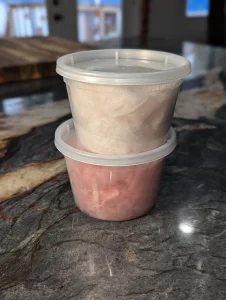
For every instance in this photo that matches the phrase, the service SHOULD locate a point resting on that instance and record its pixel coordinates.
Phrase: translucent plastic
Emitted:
(67, 143)
(118, 120)
(122, 100)
(123, 67)
(112, 187)
(114, 193)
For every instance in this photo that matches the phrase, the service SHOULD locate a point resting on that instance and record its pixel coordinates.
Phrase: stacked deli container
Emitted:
(122, 103)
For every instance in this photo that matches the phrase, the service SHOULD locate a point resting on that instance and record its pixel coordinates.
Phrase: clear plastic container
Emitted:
(112, 187)
(122, 101)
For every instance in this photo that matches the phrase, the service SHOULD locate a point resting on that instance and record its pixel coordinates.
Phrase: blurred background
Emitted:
(96, 19)
(93, 20)
(27, 27)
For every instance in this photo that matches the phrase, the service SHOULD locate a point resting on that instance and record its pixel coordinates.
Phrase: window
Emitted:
(98, 20)
(197, 8)
(23, 18)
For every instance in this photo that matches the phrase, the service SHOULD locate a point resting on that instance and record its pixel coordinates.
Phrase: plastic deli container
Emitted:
(122, 101)
(112, 187)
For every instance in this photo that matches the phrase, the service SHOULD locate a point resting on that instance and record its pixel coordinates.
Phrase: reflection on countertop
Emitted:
(50, 250)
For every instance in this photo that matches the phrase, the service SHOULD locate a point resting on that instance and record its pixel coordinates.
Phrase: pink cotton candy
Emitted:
(114, 193)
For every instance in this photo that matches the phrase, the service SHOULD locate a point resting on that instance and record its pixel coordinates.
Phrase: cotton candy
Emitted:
(118, 120)
(114, 193)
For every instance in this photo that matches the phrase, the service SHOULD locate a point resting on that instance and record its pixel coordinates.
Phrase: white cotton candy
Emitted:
(122, 119)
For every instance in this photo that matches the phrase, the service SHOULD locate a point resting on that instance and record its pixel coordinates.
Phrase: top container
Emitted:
(122, 101)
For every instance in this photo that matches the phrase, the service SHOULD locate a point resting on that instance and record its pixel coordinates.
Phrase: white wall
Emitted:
(167, 19)
(3, 18)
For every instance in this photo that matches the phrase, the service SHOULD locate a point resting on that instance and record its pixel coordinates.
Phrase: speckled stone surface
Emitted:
(49, 250)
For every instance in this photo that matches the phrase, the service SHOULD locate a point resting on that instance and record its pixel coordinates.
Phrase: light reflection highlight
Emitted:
(186, 228)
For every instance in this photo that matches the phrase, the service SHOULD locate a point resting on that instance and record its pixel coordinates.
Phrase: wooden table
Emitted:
(32, 58)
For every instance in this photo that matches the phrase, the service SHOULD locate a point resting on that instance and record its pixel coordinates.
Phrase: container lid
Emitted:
(123, 67)
(67, 130)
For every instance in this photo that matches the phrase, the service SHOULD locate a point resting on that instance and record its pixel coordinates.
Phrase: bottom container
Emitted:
(114, 188)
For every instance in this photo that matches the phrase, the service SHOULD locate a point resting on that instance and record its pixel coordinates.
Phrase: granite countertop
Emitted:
(50, 250)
